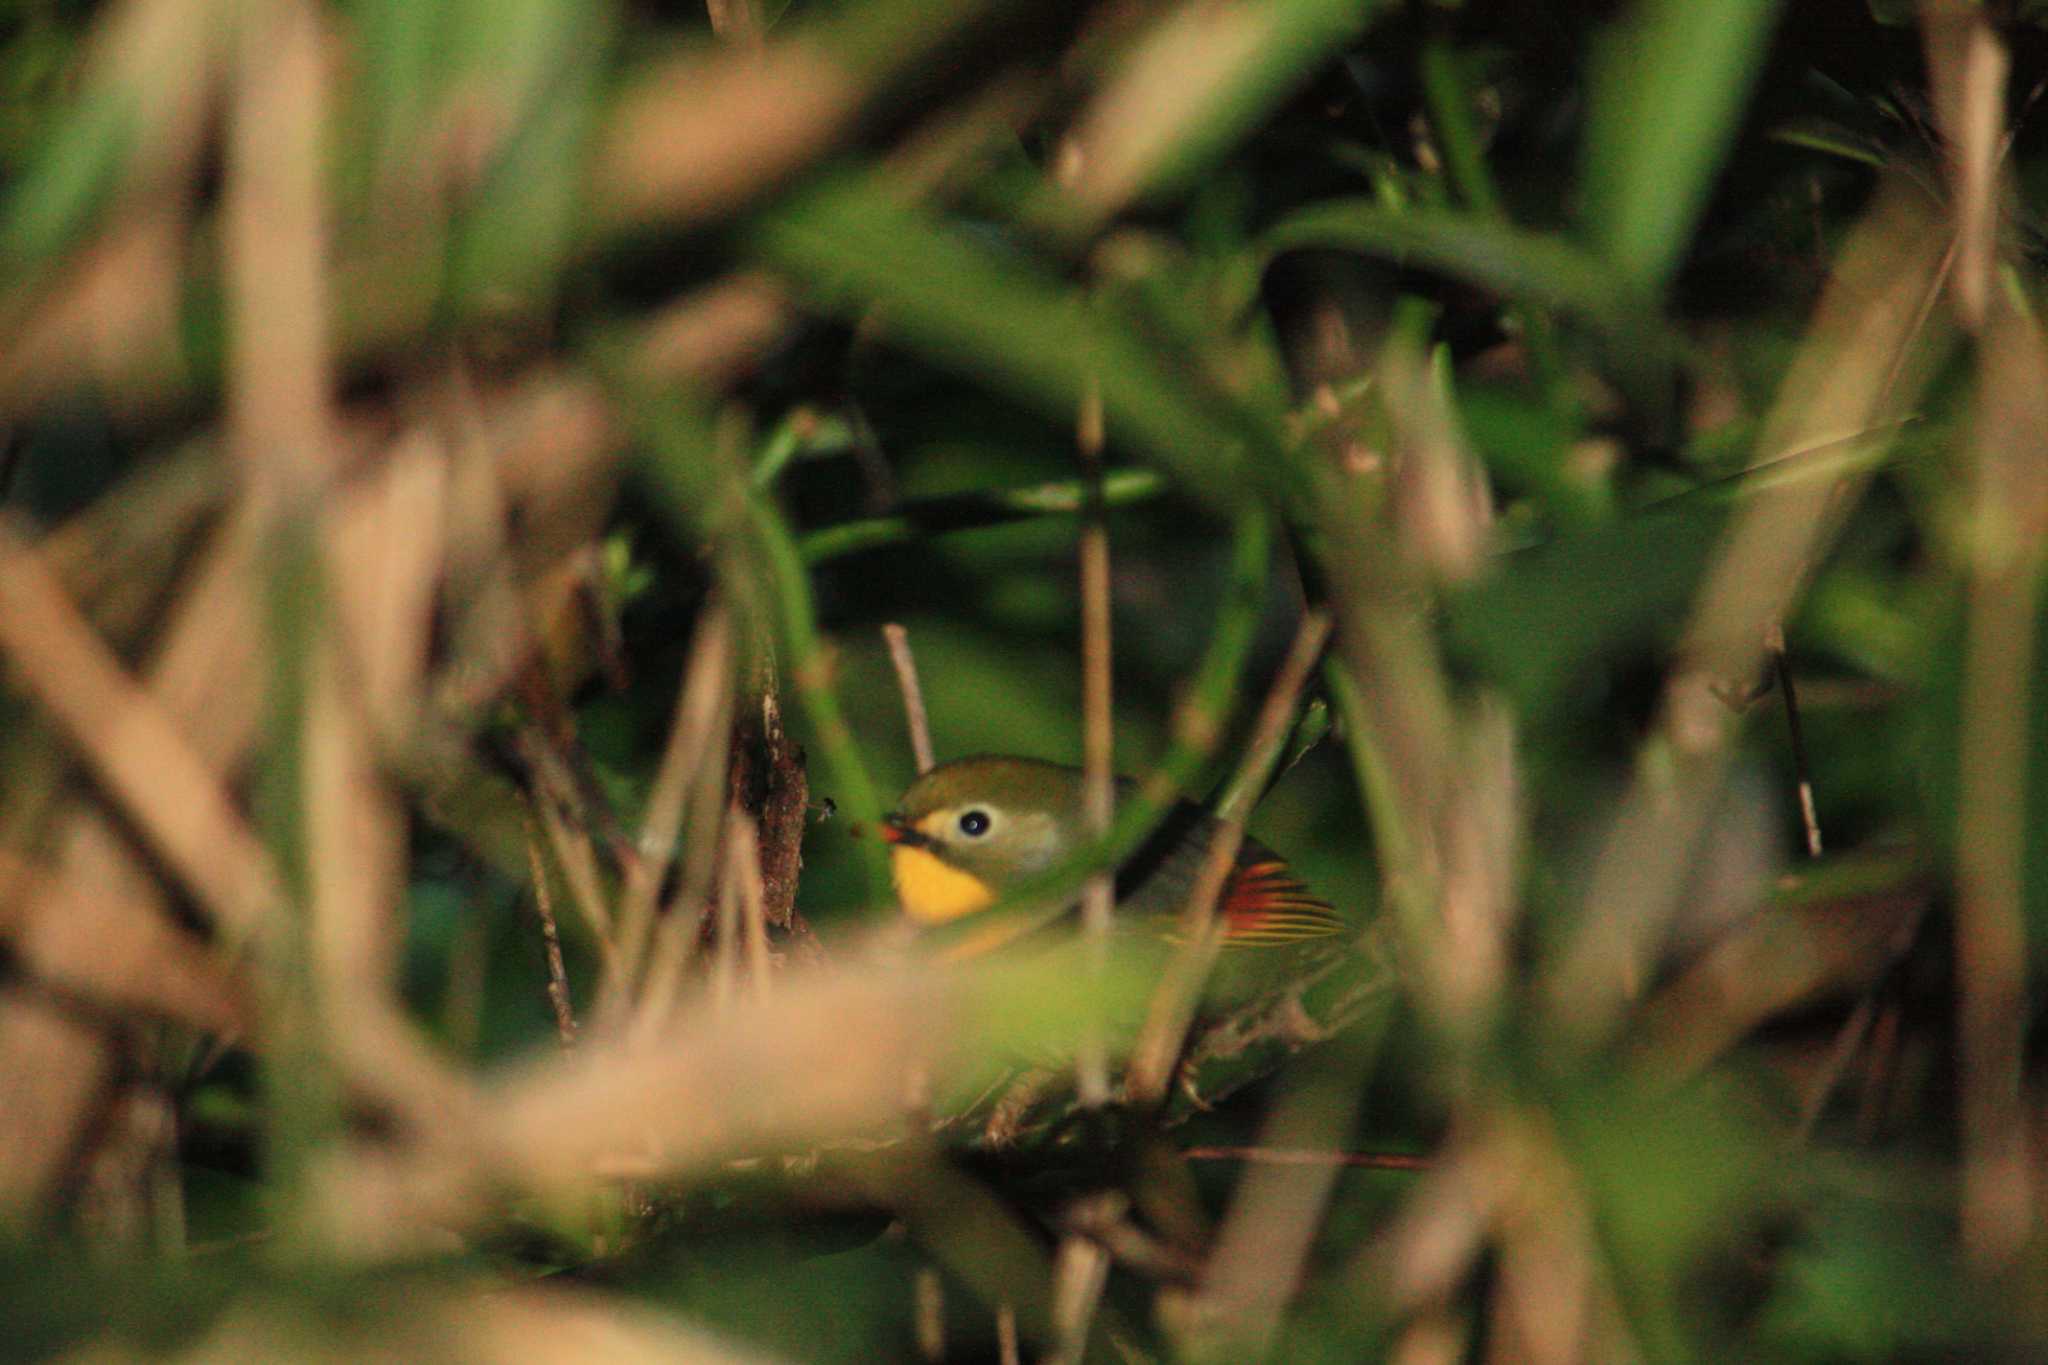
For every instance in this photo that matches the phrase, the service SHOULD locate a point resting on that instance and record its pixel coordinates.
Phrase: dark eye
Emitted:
(974, 823)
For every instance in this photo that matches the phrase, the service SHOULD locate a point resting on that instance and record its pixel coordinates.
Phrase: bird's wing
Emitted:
(1265, 903)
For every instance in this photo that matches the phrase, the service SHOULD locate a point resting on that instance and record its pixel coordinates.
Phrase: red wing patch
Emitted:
(1265, 903)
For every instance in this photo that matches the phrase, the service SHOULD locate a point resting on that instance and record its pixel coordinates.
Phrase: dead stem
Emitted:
(905, 664)
(544, 905)
(1080, 1272)
(1991, 946)
(1802, 771)
(693, 731)
(1967, 69)
(679, 932)
(725, 945)
(274, 221)
(1296, 1156)
(1098, 735)
(572, 844)
(1007, 1351)
(930, 1294)
(743, 869)
(174, 795)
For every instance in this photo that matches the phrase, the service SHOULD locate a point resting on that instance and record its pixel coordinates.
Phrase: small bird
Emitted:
(969, 831)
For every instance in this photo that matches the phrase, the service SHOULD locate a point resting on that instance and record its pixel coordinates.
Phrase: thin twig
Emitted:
(1847, 1040)
(573, 847)
(1296, 1156)
(1098, 735)
(913, 695)
(743, 867)
(930, 1292)
(917, 1087)
(544, 904)
(1080, 1271)
(700, 703)
(679, 932)
(1081, 1267)
(1007, 1350)
(725, 945)
(1802, 774)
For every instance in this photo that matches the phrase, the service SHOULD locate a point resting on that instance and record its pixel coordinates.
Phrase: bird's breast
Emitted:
(933, 891)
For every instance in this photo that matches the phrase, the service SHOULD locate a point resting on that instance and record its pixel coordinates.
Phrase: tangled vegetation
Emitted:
(497, 499)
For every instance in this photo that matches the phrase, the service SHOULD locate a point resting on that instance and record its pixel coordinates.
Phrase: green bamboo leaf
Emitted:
(969, 306)
(543, 60)
(1666, 97)
(1513, 262)
(69, 184)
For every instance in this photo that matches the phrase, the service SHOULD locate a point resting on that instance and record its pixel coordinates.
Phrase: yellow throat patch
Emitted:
(933, 892)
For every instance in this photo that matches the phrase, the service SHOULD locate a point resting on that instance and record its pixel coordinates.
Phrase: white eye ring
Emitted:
(975, 822)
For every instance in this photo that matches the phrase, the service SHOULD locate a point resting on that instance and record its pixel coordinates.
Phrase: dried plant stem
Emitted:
(1007, 1350)
(930, 1292)
(693, 732)
(175, 797)
(743, 869)
(1802, 772)
(680, 930)
(1848, 1038)
(810, 669)
(1296, 1156)
(558, 976)
(914, 716)
(204, 676)
(1098, 734)
(573, 850)
(1968, 67)
(725, 947)
(1081, 1267)
(1080, 1272)
(274, 220)
(1991, 949)
(764, 557)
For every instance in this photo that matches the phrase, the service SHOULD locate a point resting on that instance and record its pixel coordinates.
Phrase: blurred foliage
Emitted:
(1481, 324)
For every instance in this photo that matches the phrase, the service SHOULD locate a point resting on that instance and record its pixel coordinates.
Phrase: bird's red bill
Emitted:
(1265, 903)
